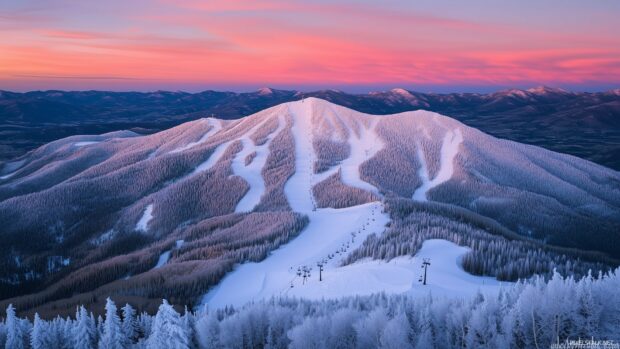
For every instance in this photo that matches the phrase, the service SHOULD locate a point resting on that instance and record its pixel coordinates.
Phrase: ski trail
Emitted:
(252, 173)
(216, 126)
(142, 224)
(363, 147)
(298, 189)
(221, 150)
(449, 149)
(328, 237)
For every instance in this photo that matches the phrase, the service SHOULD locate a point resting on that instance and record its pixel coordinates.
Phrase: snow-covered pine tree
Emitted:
(129, 327)
(84, 330)
(15, 336)
(396, 333)
(167, 331)
(39, 337)
(111, 337)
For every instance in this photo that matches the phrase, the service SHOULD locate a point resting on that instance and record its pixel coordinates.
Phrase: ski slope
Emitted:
(293, 270)
(328, 233)
(449, 149)
(252, 173)
(363, 147)
(216, 126)
(445, 277)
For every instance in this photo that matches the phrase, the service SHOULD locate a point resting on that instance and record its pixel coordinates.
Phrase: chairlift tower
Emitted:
(426, 262)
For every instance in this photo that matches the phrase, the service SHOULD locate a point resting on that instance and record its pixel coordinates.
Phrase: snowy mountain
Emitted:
(173, 213)
(552, 118)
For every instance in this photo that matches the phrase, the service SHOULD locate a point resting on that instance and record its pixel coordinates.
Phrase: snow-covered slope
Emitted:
(277, 276)
(124, 198)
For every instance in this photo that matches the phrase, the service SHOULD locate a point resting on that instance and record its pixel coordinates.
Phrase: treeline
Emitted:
(491, 255)
(533, 314)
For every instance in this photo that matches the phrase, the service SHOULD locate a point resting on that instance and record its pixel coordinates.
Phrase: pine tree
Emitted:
(167, 331)
(14, 338)
(130, 325)
(85, 330)
(396, 333)
(39, 335)
(112, 336)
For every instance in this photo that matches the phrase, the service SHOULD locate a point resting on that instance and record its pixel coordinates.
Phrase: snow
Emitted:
(213, 159)
(449, 149)
(83, 144)
(265, 91)
(329, 230)
(252, 173)
(298, 189)
(363, 147)
(445, 277)
(216, 126)
(142, 224)
(220, 150)
(333, 233)
(163, 259)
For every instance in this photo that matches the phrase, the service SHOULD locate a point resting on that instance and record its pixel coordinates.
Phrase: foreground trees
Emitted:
(526, 315)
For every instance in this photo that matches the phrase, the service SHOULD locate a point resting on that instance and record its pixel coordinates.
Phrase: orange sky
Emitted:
(239, 44)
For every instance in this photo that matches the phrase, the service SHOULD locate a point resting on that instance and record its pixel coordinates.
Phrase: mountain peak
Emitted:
(265, 91)
(401, 91)
(546, 90)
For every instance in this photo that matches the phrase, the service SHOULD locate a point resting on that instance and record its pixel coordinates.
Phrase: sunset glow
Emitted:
(195, 45)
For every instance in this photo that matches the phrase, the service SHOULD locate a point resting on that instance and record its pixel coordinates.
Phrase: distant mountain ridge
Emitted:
(579, 123)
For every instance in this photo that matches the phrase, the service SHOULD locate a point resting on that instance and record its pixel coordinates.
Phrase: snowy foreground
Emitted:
(293, 269)
(535, 314)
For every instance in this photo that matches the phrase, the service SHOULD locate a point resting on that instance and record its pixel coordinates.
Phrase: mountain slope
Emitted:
(173, 212)
(578, 123)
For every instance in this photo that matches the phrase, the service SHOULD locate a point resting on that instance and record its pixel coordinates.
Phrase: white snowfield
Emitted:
(143, 223)
(449, 149)
(445, 277)
(83, 144)
(216, 126)
(252, 173)
(292, 270)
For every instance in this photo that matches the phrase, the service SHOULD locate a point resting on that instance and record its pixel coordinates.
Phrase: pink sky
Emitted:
(240, 44)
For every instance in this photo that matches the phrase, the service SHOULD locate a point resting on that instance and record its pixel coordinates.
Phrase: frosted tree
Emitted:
(208, 331)
(588, 309)
(368, 330)
(167, 331)
(397, 333)
(39, 335)
(111, 337)
(84, 331)
(129, 327)
(14, 337)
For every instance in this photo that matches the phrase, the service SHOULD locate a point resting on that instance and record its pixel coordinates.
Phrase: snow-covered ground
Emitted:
(143, 223)
(83, 144)
(165, 257)
(328, 233)
(363, 147)
(252, 173)
(333, 233)
(216, 126)
(445, 276)
(449, 149)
